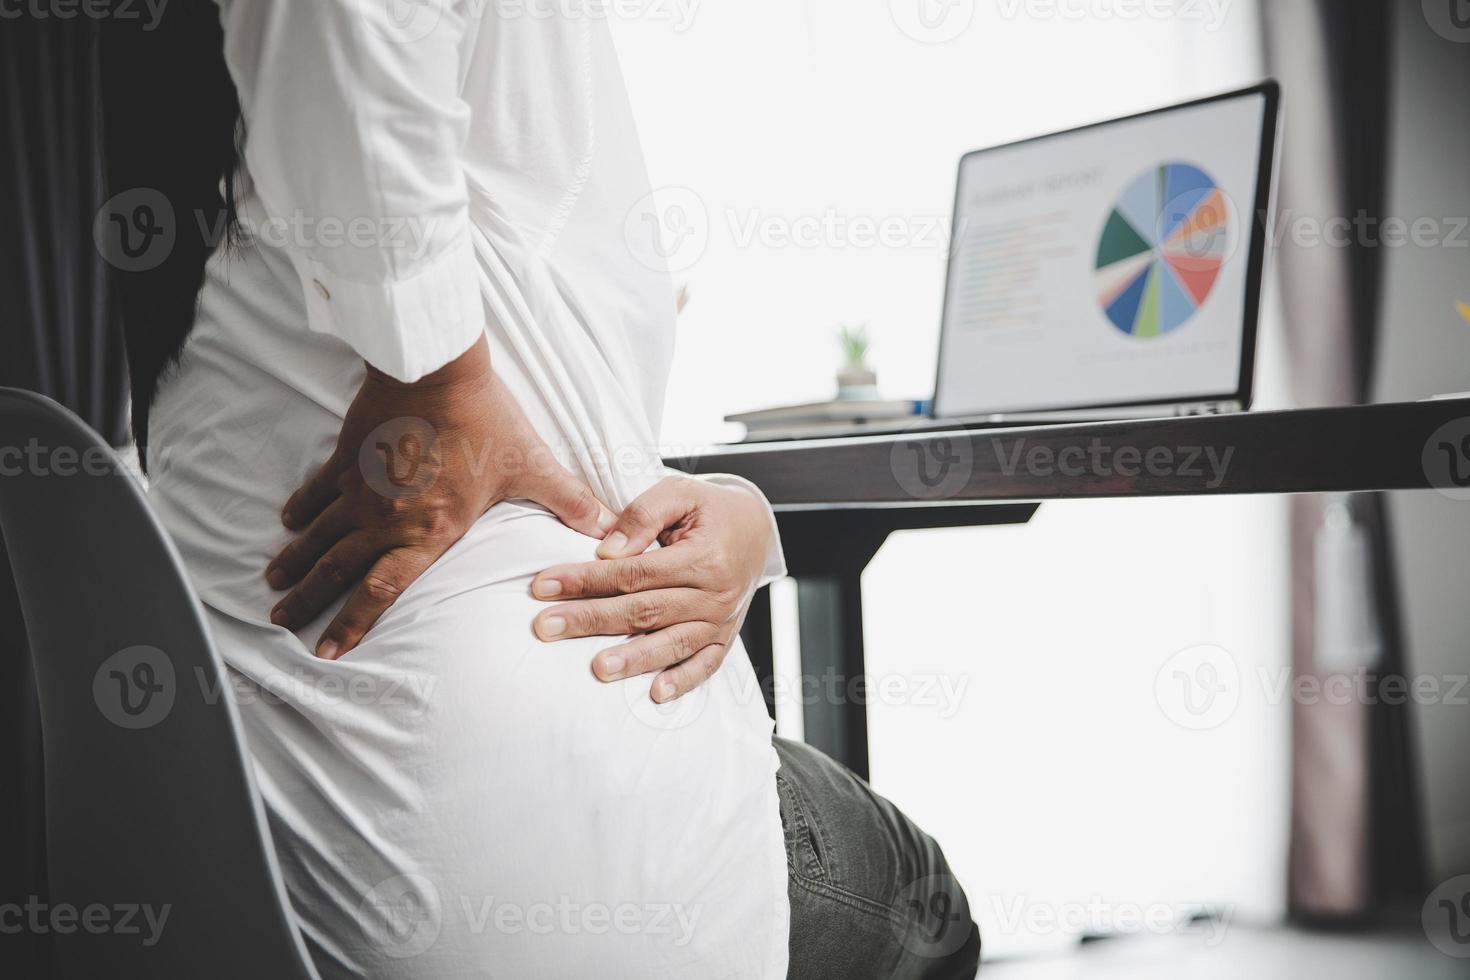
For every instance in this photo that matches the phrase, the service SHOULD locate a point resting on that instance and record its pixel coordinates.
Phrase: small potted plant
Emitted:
(856, 381)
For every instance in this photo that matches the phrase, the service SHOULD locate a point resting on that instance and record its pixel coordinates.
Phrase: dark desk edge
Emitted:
(1399, 446)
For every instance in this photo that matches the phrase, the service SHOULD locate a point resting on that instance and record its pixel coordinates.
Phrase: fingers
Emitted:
(685, 677)
(302, 554)
(625, 615)
(666, 568)
(572, 502)
(655, 651)
(333, 575)
(655, 511)
(379, 589)
(312, 497)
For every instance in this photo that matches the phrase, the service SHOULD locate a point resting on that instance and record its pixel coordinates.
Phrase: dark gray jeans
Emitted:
(871, 894)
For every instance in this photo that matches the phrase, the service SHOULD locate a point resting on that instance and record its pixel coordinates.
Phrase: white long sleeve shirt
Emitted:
(455, 798)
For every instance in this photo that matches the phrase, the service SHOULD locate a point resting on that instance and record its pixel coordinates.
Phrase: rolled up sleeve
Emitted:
(354, 131)
(775, 554)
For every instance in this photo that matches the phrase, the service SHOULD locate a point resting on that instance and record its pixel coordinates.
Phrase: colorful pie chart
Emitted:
(1162, 249)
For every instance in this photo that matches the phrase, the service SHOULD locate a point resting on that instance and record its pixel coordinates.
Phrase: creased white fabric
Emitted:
(455, 798)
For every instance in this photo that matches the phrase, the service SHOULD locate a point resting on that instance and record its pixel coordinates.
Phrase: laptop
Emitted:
(1112, 271)
(1108, 272)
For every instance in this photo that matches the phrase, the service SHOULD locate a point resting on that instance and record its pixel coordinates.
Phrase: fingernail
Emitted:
(546, 588)
(327, 649)
(606, 521)
(664, 693)
(552, 626)
(278, 616)
(612, 546)
(613, 665)
(275, 577)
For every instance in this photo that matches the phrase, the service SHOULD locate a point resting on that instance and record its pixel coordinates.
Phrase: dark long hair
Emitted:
(170, 118)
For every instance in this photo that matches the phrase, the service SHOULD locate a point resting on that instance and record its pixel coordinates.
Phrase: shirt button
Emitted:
(322, 290)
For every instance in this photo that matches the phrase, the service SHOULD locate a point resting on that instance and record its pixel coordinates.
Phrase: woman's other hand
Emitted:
(415, 466)
(688, 598)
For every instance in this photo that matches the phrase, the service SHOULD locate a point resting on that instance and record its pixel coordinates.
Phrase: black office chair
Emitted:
(150, 800)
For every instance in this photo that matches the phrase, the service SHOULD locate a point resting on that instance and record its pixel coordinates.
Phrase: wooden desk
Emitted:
(837, 500)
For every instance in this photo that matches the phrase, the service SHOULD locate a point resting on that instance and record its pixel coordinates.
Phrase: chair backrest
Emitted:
(160, 862)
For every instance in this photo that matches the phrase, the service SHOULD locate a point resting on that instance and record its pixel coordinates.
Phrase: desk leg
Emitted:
(834, 697)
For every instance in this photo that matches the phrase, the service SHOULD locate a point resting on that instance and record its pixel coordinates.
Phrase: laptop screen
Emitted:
(1115, 265)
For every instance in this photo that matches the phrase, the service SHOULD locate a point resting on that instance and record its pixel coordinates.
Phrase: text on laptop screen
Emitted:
(1107, 266)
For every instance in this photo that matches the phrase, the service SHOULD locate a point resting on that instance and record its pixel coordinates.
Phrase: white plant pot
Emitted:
(857, 384)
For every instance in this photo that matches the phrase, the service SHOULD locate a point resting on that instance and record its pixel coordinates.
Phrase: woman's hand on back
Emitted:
(688, 598)
(415, 466)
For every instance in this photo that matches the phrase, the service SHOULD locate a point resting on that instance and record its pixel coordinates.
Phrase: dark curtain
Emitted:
(58, 338)
(1356, 844)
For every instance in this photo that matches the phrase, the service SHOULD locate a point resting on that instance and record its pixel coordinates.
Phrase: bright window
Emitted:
(782, 133)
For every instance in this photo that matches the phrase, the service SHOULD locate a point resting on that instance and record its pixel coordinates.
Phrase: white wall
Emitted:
(1060, 777)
